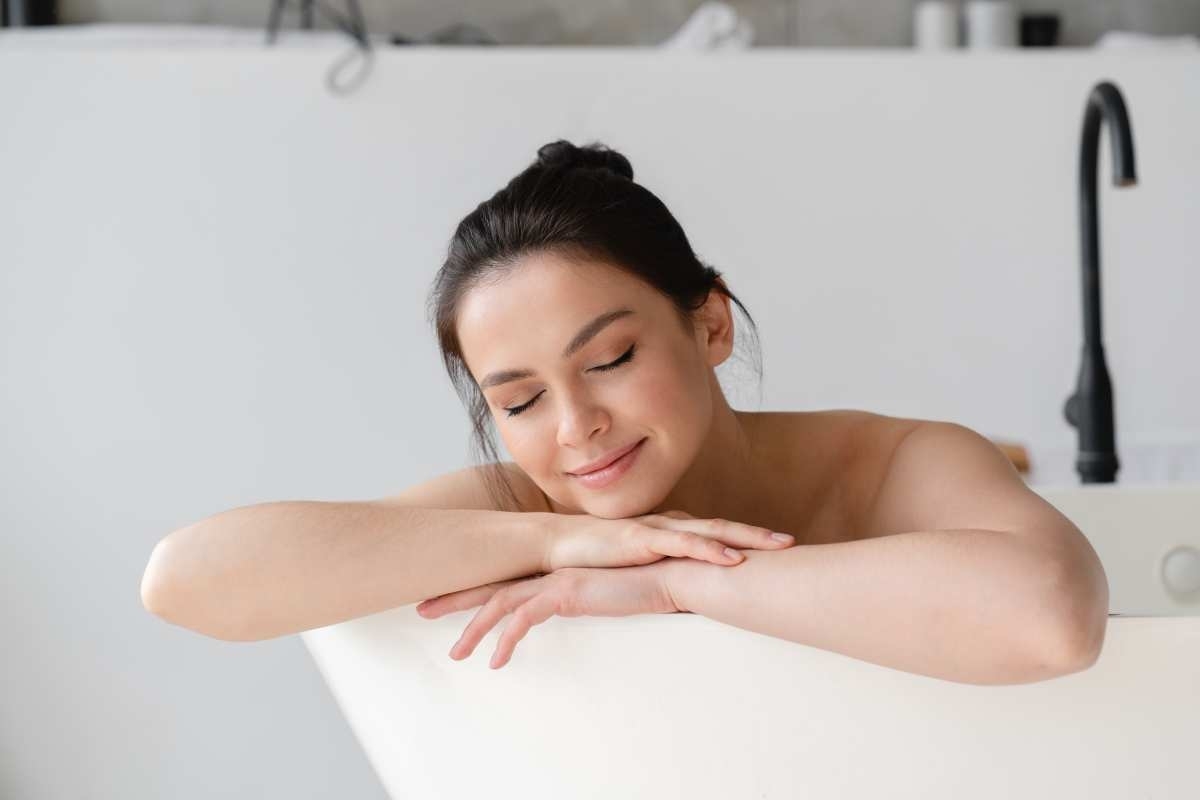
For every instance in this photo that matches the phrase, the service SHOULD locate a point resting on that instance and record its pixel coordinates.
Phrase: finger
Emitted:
(732, 534)
(664, 516)
(685, 544)
(691, 545)
(459, 601)
(534, 611)
(456, 601)
(493, 611)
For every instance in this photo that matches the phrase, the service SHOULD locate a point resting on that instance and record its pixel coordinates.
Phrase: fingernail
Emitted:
(783, 537)
(734, 554)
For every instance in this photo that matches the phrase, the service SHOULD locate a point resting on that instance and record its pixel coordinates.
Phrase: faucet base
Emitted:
(1096, 467)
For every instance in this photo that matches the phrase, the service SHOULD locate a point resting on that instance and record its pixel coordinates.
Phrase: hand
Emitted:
(582, 540)
(567, 592)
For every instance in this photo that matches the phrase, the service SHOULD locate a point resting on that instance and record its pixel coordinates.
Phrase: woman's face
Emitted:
(558, 413)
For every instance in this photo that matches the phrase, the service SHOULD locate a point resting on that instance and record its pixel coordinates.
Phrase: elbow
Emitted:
(1078, 604)
(1080, 646)
(1078, 639)
(162, 596)
(154, 584)
(1051, 657)
(1058, 660)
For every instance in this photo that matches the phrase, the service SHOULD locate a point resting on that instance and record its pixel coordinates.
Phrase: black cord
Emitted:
(353, 25)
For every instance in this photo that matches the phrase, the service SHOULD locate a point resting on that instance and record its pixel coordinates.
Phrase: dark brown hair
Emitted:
(579, 203)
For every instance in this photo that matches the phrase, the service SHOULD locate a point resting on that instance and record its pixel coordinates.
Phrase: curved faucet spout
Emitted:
(1090, 409)
(1104, 104)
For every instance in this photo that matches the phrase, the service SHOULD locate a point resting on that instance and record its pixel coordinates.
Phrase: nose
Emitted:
(581, 419)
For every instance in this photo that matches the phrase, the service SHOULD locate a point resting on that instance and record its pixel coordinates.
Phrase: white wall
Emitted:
(212, 278)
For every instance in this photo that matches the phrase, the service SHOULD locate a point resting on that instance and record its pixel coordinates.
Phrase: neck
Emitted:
(726, 475)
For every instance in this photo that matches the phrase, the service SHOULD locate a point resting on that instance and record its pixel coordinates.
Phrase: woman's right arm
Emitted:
(267, 570)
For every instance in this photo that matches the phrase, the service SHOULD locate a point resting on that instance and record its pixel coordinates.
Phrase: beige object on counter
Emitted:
(1016, 453)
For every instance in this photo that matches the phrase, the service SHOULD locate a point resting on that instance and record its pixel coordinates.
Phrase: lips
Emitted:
(604, 461)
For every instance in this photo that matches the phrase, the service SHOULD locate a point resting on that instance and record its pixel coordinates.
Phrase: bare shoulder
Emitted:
(866, 443)
(529, 494)
(852, 453)
(467, 488)
(938, 475)
(859, 443)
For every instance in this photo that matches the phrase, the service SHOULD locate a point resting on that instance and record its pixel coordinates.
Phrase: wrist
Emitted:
(683, 578)
(549, 526)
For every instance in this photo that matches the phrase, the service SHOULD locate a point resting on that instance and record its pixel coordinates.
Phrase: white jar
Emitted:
(935, 25)
(991, 24)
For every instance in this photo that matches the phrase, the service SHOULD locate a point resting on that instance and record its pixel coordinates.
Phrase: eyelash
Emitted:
(624, 359)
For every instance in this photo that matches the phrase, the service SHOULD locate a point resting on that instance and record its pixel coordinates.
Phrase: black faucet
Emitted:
(1090, 408)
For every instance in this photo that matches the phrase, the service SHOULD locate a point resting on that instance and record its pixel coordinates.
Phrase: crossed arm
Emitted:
(987, 584)
(960, 573)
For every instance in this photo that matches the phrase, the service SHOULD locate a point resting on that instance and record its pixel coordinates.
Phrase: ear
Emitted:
(715, 324)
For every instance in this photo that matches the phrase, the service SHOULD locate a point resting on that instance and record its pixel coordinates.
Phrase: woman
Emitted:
(573, 314)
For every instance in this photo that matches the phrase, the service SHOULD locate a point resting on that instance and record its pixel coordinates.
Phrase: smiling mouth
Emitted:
(620, 454)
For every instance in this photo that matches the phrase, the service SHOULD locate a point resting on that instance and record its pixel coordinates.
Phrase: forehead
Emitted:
(536, 307)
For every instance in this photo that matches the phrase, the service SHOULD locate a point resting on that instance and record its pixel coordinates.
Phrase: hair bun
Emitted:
(564, 154)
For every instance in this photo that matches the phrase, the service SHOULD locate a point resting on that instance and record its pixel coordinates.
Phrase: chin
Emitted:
(605, 513)
(619, 505)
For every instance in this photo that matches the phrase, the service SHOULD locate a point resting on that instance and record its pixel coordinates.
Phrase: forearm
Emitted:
(266, 570)
(969, 606)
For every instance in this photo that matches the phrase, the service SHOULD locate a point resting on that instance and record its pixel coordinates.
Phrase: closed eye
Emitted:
(625, 358)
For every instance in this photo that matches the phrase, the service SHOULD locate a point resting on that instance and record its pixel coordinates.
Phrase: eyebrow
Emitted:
(585, 335)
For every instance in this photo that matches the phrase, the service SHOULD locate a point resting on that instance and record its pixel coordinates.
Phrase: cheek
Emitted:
(654, 398)
(521, 441)
(532, 446)
(671, 392)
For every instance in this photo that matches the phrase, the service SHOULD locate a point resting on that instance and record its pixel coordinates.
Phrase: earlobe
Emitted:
(718, 351)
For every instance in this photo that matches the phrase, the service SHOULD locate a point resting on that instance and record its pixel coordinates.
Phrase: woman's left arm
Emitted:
(986, 582)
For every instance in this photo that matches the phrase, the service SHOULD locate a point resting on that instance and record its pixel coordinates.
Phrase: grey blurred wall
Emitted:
(807, 23)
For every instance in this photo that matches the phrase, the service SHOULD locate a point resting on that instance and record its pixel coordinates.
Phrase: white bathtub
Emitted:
(681, 706)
